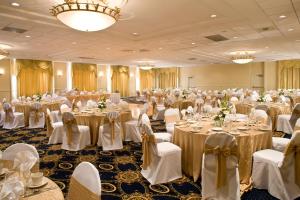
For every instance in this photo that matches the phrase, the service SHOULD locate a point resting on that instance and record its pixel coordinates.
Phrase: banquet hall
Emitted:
(149, 99)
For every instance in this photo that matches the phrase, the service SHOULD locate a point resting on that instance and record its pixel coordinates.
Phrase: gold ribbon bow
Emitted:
(69, 124)
(147, 140)
(36, 114)
(112, 129)
(77, 191)
(221, 155)
(49, 126)
(9, 116)
(294, 149)
(154, 108)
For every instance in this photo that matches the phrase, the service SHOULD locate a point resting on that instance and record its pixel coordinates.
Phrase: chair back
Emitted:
(220, 164)
(148, 145)
(207, 108)
(261, 116)
(295, 115)
(11, 152)
(85, 183)
(172, 115)
(36, 111)
(113, 120)
(115, 98)
(290, 166)
(262, 107)
(145, 119)
(9, 115)
(49, 122)
(70, 125)
(64, 108)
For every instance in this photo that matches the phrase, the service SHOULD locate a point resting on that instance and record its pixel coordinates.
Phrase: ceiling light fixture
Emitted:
(290, 29)
(146, 67)
(135, 34)
(15, 4)
(5, 46)
(282, 16)
(28, 36)
(193, 43)
(88, 15)
(242, 57)
(3, 54)
(213, 16)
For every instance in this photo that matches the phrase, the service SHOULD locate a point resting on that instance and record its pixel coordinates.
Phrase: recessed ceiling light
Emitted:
(28, 36)
(107, 48)
(5, 46)
(213, 16)
(193, 43)
(235, 37)
(135, 33)
(266, 47)
(160, 48)
(74, 43)
(15, 4)
(290, 29)
(282, 16)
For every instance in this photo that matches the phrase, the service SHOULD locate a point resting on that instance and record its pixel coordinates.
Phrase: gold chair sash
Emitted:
(36, 113)
(147, 140)
(77, 191)
(49, 126)
(69, 124)
(171, 118)
(154, 105)
(221, 155)
(294, 149)
(9, 164)
(9, 115)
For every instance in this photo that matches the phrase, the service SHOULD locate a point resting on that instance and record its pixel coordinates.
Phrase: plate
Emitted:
(216, 129)
(196, 126)
(43, 183)
(192, 121)
(242, 128)
(264, 129)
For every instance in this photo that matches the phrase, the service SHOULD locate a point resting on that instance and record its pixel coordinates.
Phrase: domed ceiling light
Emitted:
(242, 57)
(88, 15)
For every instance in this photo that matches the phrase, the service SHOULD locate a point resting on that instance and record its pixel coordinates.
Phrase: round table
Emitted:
(192, 144)
(94, 119)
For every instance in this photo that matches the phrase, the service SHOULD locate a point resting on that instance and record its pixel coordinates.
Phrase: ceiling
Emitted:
(170, 32)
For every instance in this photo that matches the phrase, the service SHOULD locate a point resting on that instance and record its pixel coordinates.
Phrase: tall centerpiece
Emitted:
(102, 104)
(225, 107)
(261, 98)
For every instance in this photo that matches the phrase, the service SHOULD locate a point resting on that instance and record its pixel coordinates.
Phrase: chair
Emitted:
(220, 174)
(77, 137)
(115, 98)
(85, 183)
(110, 137)
(12, 119)
(36, 116)
(161, 161)
(55, 130)
(2, 115)
(10, 153)
(161, 136)
(278, 172)
(262, 117)
(65, 108)
(286, 123)
(158, 111)
(171, 116)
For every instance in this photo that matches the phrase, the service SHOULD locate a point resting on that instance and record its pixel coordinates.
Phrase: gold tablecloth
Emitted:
(183, 104)
(94, 121)
(192, 145)
(25, 108)
(275, 109)
(84, 98)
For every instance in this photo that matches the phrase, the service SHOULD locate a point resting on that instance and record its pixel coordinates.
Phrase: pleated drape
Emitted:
(34, 77)
(289, 74)
(147, 79)
(120, 80)
(84, 76)
(166, 77)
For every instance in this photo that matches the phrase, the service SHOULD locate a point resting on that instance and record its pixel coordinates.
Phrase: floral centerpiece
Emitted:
(261, 98)
(37, 97)
(225, 107)
(102, 104)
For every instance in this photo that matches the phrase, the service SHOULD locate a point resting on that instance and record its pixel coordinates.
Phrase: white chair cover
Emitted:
(161, 161)
(85, 183)
(171, 116)
(76, 137)
(160, 136)
(133, 128)
(12, 119)
(115, 98)
(36, 116)
(220, 174)
(279, 172)
(55, 130)
(110, 137)
(207, 108)
(64, 108)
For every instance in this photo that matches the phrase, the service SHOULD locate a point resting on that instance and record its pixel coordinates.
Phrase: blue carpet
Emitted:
(119, 170)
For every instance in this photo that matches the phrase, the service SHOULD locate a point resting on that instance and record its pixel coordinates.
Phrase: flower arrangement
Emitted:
(225, 110)
(102, 104)
(37, 97)
(261, 98)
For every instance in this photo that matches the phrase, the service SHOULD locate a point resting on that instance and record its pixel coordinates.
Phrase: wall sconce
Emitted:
(2, 71)
(100, 74)
(131, 75)
(59, 73)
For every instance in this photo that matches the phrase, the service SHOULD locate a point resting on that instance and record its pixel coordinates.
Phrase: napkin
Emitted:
(12, 189)
(282, 98)
(24, 161)
(268, 98)
(190, 110)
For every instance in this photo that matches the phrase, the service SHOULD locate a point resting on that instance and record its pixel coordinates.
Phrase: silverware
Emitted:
(38, 191)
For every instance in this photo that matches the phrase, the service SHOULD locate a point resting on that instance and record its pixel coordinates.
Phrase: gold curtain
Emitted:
(166, 77)
(147, 80)
(120, 80)
(84, 76)
(34, 77)
(289, 74)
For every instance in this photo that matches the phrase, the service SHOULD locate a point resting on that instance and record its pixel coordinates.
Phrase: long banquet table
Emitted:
(95, 118)
(192, 144)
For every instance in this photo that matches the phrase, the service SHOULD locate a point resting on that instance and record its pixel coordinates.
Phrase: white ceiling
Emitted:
(167, 28)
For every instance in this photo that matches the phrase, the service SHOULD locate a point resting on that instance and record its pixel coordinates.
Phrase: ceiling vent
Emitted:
(13, 29)
(192, 58)
(127, 50)
(217, 38)
(86, 58)
(267, 28)
(144, 50)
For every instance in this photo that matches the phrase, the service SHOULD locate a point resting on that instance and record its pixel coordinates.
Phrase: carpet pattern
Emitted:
(119, 170)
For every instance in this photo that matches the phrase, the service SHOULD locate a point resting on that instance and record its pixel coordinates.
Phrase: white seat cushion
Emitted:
(279, 143)
(57, 124)
(269, 156)
(163, 137)
(167, 148)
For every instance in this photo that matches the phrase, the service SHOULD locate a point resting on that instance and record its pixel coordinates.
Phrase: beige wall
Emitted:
(60, 81)
(270, 71)
(102, 80)
(132, 80)
(223, 76)
(5, 83)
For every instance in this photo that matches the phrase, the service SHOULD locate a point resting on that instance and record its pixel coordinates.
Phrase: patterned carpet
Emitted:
(119, 170)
